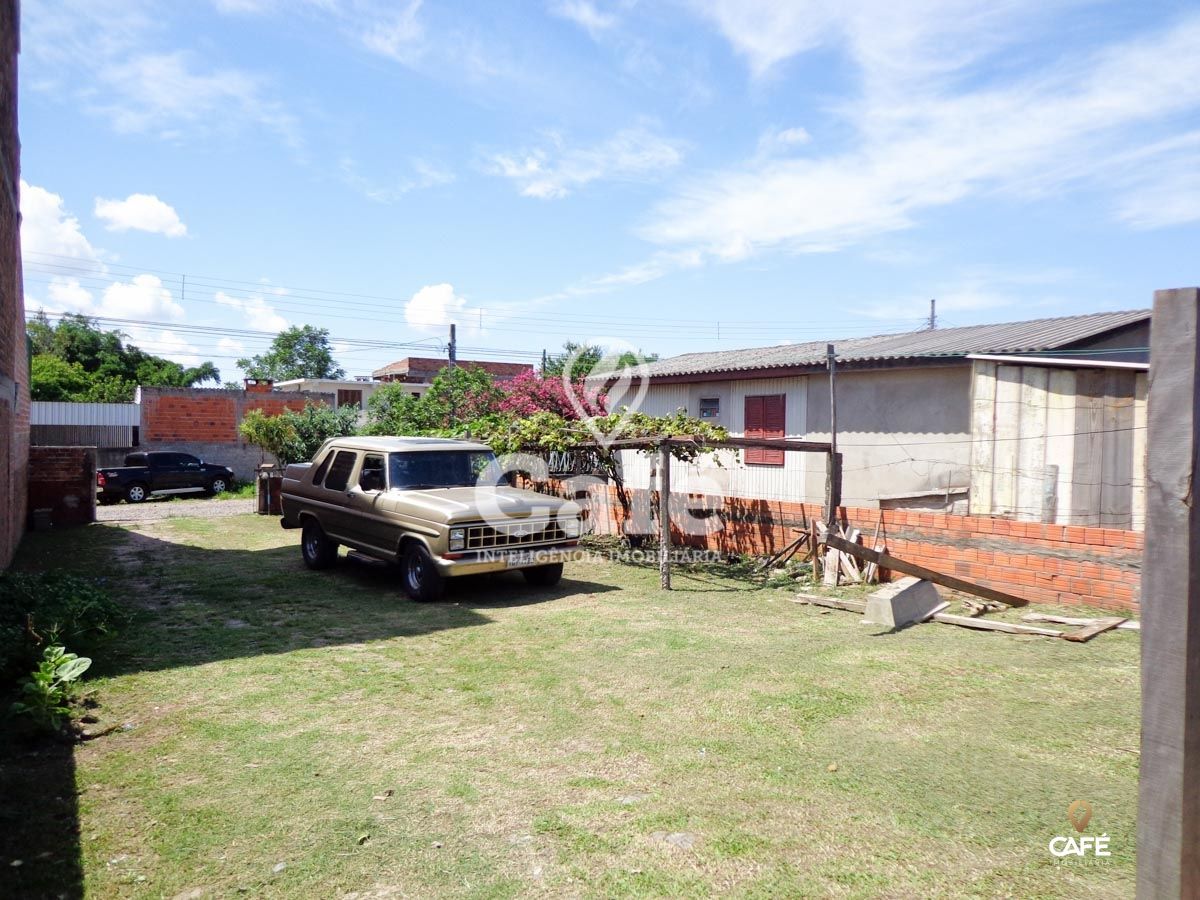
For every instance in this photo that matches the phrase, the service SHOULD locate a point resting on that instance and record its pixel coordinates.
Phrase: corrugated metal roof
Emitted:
(46, 412)
(1008, 337)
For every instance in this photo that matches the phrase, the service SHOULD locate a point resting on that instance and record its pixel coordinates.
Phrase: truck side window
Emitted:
(371, 478)
(339, 472)
(322, 468)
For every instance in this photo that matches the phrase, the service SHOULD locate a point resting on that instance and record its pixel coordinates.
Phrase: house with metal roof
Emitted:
(1041, 420)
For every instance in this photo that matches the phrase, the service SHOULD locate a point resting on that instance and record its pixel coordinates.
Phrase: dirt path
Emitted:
(153, 510)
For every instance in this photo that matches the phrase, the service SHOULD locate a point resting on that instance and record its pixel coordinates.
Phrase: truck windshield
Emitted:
(441, 468)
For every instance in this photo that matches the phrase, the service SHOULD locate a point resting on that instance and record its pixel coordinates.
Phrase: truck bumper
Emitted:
(502, 560)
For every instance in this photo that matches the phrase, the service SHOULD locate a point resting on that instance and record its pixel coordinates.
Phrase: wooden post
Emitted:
(833, 470)
(1168, 835)
(664, 515)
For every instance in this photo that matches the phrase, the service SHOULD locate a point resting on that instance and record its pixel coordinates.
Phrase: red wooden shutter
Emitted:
(765, 419)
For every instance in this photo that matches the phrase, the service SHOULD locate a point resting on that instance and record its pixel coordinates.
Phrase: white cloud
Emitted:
(584, 14)
(169, 95)
(398, 36)
(434, 306)
(781, 140)
(47, 228)
(424, 174)
(929, 134)
(144, 297)
(631, 154)
(258, 314)
(231, 347)
(165, 343)
(140, 212)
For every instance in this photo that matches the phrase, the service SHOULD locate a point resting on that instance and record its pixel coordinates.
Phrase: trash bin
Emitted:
(270, 490)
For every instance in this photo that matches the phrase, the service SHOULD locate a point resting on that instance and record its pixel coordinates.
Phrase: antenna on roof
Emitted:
(932, 314)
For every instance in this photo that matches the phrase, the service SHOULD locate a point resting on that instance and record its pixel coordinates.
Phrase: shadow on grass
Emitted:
(39, 821)
(195, 605)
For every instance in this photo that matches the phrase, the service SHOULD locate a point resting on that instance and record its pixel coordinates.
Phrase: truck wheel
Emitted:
(422, 580)
(219, 485)
(544, 576)
(136, 493)
(318, 550)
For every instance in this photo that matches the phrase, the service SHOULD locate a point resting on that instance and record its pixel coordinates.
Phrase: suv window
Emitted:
(339, 472)
(372, 477)
(322, 467)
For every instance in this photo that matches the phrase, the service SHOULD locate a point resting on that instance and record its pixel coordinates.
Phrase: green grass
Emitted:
(550, 742)
(246, 490)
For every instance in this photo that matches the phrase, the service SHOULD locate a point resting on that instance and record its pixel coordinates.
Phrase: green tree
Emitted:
(274, 434)
(297, 352)
(296, 436)
(455, 397)
(588, 356)
(77, 360)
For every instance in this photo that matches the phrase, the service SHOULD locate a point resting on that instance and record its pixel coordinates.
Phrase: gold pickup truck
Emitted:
(439, 508)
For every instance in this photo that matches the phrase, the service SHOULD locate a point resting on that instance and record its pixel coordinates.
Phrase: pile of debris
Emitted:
(915, 599)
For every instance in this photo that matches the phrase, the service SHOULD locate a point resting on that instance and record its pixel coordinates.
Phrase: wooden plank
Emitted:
(832, 566)
(1126, 624)
(858, 606)
(993, 625)
(887, 561)
(1090, 631)
(1168, 820)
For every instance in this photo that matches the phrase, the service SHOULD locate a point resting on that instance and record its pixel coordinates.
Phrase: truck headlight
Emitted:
(458, 538)
(570, 527)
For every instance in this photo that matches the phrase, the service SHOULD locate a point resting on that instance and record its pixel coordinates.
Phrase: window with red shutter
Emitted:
(765, 419)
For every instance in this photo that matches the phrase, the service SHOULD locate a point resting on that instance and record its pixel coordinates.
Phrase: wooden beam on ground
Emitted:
(887, 561)
(1126, 624)
(993, 625)
(1090, 631)
(858, 606)
(1168, 822)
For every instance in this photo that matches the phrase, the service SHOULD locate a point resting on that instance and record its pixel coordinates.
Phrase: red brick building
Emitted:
(14, 357)
(421, 370)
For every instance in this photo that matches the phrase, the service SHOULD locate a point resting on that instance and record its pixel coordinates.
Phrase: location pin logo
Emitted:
(1080, 813)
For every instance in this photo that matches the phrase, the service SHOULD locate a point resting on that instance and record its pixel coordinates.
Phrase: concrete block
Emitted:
(901, 603)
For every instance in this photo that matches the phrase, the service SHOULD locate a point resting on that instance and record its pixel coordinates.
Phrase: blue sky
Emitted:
(673, 176)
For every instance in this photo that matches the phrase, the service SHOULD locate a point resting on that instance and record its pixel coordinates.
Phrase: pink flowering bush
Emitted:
(529, 393)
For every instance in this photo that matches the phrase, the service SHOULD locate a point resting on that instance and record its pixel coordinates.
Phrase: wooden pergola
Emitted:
(663, 445)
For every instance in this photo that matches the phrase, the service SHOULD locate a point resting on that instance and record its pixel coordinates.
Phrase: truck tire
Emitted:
(422, 581)
(318, 550)
(136, 493)
(544, 576)
(219, 485)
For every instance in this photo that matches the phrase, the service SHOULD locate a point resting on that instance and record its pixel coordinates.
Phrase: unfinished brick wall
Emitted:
(204, 421)
(1058, 564)
(63, 480)
(14, 360)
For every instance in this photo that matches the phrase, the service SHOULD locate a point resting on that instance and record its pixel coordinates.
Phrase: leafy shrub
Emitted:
(50, 608)
(46, 693)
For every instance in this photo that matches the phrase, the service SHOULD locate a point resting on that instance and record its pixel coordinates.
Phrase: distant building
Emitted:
(421, 370)
(347, 391)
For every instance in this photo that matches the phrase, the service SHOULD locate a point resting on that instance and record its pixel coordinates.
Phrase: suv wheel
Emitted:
(219, 485)
(422, 580)
(136, 493)
(318, 550)
(544, 576)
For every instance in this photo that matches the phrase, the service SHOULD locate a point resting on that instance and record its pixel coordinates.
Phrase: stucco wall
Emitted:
(904, 435)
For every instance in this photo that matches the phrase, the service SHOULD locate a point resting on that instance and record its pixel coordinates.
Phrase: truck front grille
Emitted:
(514, 534)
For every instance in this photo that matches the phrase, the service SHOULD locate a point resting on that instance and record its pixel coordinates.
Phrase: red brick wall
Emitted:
(1057, 564)
(63, 480)
(198, 415)
(14, 361)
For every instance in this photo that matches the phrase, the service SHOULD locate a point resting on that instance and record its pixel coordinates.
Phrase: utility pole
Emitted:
(543, 362)
(932, 314)
(453, 348)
